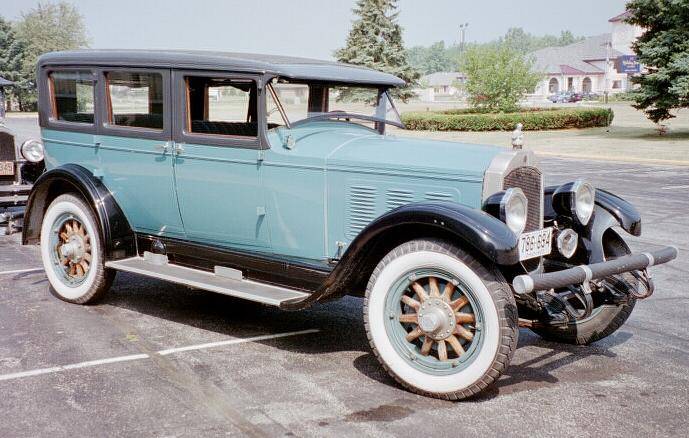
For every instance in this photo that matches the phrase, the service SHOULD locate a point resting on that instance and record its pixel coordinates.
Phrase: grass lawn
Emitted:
(631, 137)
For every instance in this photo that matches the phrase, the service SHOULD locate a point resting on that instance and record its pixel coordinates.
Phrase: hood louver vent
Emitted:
(361, 206)
(397, 198)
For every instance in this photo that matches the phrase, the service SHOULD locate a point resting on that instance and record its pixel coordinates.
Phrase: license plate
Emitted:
(535, 244)
(6, 168)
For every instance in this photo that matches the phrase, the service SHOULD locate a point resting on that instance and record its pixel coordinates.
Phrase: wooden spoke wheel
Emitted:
(73, 249)
(437, 317)
(441, 323)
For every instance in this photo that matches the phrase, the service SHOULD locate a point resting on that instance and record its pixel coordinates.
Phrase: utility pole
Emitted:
(608, 46)
(463, 35)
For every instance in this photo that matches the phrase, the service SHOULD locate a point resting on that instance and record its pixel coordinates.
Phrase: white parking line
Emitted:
(20, 271)
(93, 363)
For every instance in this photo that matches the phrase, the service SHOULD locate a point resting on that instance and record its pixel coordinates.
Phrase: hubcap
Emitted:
(433, 321)
(436, 319)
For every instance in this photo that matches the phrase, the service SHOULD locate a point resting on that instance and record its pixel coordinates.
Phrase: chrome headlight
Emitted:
(32, 150)
(575, 199)
(513, 210)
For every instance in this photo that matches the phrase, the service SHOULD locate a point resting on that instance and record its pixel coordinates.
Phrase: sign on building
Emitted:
(628, 64)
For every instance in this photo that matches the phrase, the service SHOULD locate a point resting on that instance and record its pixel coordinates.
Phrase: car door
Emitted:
(133, 147)
(217, 169)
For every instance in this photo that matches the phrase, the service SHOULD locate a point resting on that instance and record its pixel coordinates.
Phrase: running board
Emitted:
(225, 281)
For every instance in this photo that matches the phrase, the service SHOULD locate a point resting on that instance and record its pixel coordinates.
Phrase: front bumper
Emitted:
(14, 195)
(524, 284)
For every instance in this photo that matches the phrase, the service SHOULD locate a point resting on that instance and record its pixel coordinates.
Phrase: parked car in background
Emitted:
(20, 166)
(565, 97)
(285, 189)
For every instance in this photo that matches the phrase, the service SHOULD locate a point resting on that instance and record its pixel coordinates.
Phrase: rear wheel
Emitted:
(439, 321)
(606, 318)
(72, 251)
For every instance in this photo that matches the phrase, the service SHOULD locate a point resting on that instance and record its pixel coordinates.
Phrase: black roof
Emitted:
(284, 66)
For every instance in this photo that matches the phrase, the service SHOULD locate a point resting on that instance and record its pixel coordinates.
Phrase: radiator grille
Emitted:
(7, 152)
(530, 180)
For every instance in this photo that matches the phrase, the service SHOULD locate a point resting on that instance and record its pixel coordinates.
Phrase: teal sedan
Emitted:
(276, 179)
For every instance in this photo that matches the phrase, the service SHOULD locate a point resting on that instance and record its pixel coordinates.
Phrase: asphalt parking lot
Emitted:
(157, 359)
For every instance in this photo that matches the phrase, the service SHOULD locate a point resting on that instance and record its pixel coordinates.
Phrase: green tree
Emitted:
(497, 77)
(664, 51)
(523, 42)
(11, 57)
(47, 27)
(431, 59)
(375, 41)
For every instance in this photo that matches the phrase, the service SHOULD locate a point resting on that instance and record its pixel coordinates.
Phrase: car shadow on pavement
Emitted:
(537, 363)
(340, 322)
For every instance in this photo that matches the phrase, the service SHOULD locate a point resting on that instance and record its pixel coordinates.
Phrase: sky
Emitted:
(315, 28)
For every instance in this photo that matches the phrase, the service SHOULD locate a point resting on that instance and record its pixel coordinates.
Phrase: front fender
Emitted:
(479, 230)
(624, 213)
(475, 229)
(118, 237)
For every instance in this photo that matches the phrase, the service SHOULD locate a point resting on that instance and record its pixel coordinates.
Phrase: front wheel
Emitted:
(439, 321)
(606, 317)
(72, 251)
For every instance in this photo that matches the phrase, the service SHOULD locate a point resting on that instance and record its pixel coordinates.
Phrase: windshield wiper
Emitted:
(345, 115)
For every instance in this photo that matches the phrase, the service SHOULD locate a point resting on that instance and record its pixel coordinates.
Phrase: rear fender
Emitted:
(118, 237)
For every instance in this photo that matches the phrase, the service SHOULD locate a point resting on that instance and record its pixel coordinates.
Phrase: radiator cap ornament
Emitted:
(518, 137)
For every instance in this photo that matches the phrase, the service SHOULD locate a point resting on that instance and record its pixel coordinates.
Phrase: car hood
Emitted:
(354, 148)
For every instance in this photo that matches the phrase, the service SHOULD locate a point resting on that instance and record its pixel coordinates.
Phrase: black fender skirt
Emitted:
(116, 232)
(470, 227)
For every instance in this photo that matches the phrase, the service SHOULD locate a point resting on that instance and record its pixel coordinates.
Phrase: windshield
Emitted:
(290, 103)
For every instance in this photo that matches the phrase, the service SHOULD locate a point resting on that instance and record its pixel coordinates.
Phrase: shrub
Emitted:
(533, 119)
(498, 77)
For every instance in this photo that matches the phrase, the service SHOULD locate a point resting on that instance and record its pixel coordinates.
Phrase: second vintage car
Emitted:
(273, 179)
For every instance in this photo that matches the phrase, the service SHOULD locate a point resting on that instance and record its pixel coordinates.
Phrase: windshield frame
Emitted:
(379, 118)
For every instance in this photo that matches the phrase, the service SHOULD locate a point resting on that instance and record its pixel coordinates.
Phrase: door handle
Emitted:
(163, 148)
(179, 148)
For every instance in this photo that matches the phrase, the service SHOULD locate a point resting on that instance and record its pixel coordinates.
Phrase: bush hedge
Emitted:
(533, 119)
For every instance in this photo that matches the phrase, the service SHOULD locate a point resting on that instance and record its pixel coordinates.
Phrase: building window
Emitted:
(553, 85)
(221, 106)
(617, 84)
(136, 99)
(73, 97)
(586, 85)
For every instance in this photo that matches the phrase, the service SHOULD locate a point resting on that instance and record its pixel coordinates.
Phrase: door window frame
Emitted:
(46, 101)
(106, 128)
(181, 134)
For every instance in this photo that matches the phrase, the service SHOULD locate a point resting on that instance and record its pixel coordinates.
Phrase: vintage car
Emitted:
(20, 166)
(272, 179)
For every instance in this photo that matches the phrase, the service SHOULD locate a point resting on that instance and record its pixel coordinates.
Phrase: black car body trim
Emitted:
(267, 268)
(117, 235)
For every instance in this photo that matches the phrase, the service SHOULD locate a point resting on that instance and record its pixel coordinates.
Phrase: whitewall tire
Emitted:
(439, 321)
(72, 251)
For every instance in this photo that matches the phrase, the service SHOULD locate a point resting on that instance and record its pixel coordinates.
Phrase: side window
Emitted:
(72, 96)
(221, 106)
(135, 99)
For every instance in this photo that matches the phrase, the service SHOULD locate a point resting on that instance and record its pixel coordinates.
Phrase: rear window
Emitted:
(136, 99)
(73, 96)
